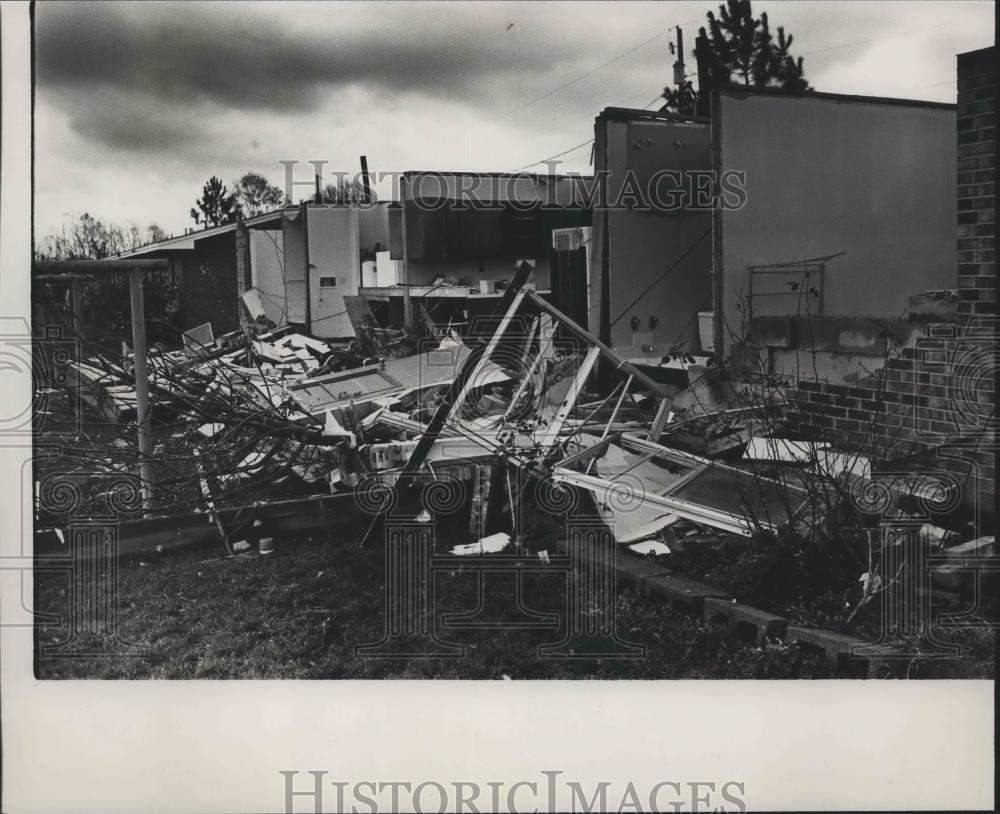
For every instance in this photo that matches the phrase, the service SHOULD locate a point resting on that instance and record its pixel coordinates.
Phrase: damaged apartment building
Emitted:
(808, 237)
(739, 314)
(448, 246)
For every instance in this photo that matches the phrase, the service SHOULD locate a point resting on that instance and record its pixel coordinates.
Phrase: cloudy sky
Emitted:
(138, 104)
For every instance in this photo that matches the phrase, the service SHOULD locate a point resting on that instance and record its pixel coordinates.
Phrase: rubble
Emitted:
(493, 544)
(534, 403)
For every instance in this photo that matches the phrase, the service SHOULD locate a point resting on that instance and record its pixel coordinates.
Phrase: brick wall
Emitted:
(976, 182)
(937, 398)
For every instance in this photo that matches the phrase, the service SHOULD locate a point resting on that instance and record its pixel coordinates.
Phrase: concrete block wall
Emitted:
(939, 393)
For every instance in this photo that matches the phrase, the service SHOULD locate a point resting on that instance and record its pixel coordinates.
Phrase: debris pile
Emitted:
(538, 410)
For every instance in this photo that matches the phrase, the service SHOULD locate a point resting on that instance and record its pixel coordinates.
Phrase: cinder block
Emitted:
(836, 646)
(633, 572)
(756, 625)
(846, 652)
(772, 332)
(815, 333)
(745, 621)
(681, 592)
(718, 609)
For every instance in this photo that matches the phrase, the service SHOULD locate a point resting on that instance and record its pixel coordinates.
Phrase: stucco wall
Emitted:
(334, 257)
(826, 175)
(267, 272)
(643, 245)
(294, 243)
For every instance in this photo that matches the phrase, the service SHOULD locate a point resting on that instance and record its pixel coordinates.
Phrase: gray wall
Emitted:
(335, 258)
(826, 175)
(644, 244)
(267, 260)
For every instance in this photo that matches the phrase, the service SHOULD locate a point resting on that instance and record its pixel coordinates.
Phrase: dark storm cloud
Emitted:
(259, 58)
(133, 121)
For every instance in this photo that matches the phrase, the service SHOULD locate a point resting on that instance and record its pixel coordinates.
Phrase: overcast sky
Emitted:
(138, 104)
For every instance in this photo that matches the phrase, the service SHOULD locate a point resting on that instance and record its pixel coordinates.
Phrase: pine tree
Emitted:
(741, 50)
(216, 205)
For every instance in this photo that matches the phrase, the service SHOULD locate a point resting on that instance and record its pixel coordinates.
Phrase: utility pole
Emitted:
(679, 62)
(701, 54)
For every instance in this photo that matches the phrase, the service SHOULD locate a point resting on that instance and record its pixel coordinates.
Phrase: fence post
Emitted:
(136, 280)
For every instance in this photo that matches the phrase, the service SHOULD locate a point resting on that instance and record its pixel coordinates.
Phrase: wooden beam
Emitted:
(662, 414)
(98, 266)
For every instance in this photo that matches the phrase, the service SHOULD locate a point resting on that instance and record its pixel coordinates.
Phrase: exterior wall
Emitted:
(643, 245)
(209, 288)
(330, 240)
(373, 223)
(334, 268)
(267, 272)
(829, 174)
(938, 398)
(293, 241)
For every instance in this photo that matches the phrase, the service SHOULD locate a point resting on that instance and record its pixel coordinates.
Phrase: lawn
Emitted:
(302, 611)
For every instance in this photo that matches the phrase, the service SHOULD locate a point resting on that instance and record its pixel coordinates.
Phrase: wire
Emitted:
(584, 75)
(587, 143)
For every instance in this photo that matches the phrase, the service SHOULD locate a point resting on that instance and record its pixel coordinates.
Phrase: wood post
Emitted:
(136, 280)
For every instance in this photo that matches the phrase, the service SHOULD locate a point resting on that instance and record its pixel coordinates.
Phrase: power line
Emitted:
(805, 53)
(670, 268)
(584, 75)
(587, 143)
(653, 101)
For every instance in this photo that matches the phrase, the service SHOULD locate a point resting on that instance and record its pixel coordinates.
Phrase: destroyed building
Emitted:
(495, 348)
(462, 236)
(727, 216)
